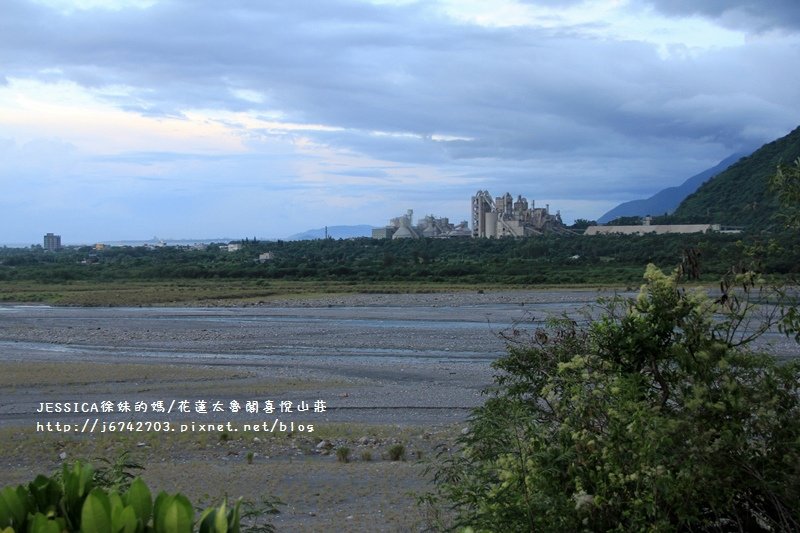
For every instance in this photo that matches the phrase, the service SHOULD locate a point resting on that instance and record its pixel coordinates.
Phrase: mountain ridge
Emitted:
(740, 195)
(334, 232)
(667, 200)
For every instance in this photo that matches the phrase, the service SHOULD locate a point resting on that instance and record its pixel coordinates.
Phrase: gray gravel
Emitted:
(405, 358)
(418, 362)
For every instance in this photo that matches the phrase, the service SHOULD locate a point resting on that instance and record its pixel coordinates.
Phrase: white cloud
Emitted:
(249, 95)
(395, 101)
(30, 109)
(68, 6)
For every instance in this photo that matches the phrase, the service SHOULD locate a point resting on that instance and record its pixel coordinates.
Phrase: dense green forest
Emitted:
(740, 196)
(535, 260)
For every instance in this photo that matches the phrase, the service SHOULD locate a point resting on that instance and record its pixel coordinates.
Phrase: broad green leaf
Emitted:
(172, 514)
(78, 482)
(13, 506)
(46, 493)
(160, 509)
(234, 516)
(96, 513)
(176, 516)
(124, 521)
(139, 497)
(6, 518)
(40, 524)
(117, 506)
(221, 520)
(206, 520)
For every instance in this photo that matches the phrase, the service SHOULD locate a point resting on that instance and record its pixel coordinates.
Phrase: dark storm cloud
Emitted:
(756, 15)
(512, 97)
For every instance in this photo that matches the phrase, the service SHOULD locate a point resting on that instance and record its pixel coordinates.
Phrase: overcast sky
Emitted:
(127, 119)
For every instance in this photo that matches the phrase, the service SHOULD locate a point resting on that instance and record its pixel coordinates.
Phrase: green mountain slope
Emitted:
(740, 196)
(667, 200)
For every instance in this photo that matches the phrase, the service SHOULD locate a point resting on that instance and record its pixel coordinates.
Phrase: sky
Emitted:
(128, 119)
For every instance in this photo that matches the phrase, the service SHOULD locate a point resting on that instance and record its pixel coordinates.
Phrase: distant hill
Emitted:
(739, 196)
(168, 241)
(667, 200)
(335, 232)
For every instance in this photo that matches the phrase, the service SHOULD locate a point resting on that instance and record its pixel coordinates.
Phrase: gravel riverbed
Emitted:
(389, 370)
(400, 369)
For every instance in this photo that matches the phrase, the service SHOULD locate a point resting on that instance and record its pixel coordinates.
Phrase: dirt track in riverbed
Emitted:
(391, 369)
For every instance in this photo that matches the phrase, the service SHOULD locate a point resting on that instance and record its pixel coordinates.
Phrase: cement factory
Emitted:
(491, 218)
(504, 217)
(402, 227)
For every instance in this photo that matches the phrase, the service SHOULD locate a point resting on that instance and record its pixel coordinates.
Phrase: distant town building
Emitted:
(266, 256)
(234, 247)
(505, 217)
(154, 243)
(52, 242)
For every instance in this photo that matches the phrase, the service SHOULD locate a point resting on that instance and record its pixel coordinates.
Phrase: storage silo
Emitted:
(491, 224)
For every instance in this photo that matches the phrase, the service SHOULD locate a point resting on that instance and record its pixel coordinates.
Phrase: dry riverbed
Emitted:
(390, 370)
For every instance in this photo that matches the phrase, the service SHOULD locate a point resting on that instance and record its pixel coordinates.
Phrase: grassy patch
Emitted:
(27, 374)
(204, 292)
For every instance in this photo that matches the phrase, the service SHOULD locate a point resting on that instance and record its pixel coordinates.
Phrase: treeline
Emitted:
(548, 259)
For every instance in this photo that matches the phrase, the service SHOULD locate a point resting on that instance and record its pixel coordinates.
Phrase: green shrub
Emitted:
(118, 473)
(397, 452)
(653, 417)
(343, 454)
(72, 502)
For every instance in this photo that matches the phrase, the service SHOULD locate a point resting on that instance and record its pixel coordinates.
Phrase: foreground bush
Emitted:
(654, 417)
(71, 502)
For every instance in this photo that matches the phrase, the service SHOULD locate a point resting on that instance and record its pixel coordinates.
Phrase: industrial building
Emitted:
(657, 229)
(403, 227)
(52, 242)
(504, 217)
